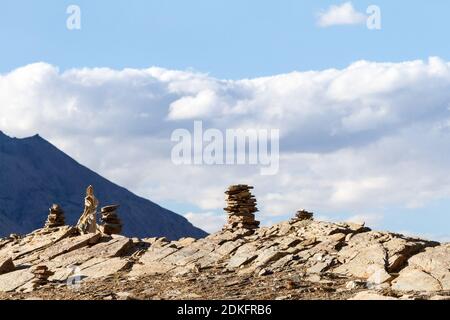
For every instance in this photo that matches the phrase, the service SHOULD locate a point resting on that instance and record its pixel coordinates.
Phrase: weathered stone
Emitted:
(229, 247)
(320, 267)
(36, 242)
(434, 262)
(70, 244)
(360, 262)
(370, 251)
(184, 242)
(88, 220)
(411, 279)
(267, 256)
(243, 255)
(103, 267)
(13, 280)
(6, 265)
(379, 276)
(354, 284)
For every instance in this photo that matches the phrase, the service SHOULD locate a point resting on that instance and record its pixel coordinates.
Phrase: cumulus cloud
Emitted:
(344, 14)
(354, 140)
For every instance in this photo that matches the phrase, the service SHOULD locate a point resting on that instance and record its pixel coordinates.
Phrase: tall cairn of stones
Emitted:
(241, 208)
(55, 217)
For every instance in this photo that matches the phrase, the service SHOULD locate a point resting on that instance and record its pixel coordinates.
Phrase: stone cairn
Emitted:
(41, 275)
(111, 221)
(55, 218)
(241, 208)
(303, 215)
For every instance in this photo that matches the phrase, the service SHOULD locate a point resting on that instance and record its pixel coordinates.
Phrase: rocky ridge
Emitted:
(299, 259)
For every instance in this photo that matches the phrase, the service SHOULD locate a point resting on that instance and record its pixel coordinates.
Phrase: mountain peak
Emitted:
(35, 174)
(7, 137)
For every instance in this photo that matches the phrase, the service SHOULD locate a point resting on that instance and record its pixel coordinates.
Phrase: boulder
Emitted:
(6, 265)
(432, 269)
(411, 279)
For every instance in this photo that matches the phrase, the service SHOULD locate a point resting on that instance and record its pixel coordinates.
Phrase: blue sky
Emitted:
(244, 40)
(228, 39)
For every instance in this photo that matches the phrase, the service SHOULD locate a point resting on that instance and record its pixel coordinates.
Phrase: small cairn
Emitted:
(111, 221)
(55, 218)
(241, 208)
(303, 215)
(41, 275)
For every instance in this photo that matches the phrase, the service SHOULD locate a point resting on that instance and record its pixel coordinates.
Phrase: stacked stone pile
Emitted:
(241, 208)
(303, 215)
(55, 218)
(111, 221)
(41, 275)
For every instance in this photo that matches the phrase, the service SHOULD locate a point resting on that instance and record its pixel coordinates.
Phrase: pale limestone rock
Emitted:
(379, 276)
(369, 295)
(243, 255)
(411, 279)
(103, 267)
(13, 280)
(267, 256)
(88, 220)
(369, 251)
(70, 244)
(435, 262)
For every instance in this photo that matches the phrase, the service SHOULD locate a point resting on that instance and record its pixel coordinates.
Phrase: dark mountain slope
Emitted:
(34, 174)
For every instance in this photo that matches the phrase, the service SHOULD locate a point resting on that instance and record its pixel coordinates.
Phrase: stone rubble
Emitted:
(241, 208)
(55, 218)
(314, 259)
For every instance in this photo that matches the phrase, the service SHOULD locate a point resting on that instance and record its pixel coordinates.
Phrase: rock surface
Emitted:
(299, 259)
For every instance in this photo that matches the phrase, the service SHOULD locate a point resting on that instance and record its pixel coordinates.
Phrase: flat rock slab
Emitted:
(267, 256)
(150, 268)
(37, 242)
(104, 268)
(244, 255)
(70, 244)
(13, 280)
(156, 254)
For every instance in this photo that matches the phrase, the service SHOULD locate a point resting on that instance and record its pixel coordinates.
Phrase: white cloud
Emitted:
(210, 221)
(354, 140)
(344, 14)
